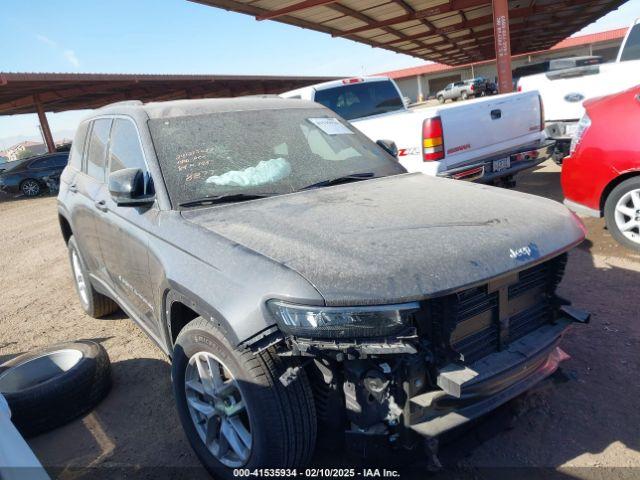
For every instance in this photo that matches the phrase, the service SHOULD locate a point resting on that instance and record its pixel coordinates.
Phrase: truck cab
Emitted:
(566, 83)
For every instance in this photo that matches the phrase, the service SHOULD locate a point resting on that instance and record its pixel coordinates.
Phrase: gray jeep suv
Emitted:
(299, 278)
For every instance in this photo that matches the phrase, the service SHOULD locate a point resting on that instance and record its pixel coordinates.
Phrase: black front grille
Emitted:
(466, 325)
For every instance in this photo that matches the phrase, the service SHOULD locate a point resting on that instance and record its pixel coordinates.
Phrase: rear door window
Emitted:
(360, 100)
(97, 149)
(55, 161)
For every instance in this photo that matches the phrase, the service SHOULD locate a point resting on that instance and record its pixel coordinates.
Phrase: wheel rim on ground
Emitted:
(79, 277)
(39, 370)
(30, 188)
(218, 410)
(627, 215)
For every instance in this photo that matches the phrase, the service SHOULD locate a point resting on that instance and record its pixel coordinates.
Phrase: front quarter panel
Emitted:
(220, 280)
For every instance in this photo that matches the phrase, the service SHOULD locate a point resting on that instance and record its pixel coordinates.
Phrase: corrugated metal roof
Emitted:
(452, 32)
(71, 91)
(571, 42)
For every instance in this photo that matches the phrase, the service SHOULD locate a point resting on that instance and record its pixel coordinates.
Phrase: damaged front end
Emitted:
(400, 373)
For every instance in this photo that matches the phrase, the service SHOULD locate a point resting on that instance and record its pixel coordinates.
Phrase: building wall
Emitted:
(433, 82)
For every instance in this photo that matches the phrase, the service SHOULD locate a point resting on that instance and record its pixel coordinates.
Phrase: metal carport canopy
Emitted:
(57, 92)
(450, 32)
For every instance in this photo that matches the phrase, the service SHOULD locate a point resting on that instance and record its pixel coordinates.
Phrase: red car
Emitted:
(602, 175)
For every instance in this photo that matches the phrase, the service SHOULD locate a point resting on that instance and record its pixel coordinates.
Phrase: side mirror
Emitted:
(389, 146)
(126, 187)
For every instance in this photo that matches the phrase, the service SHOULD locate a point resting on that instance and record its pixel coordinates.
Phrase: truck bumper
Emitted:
(469, 392)
(562, 132)
(482, 171)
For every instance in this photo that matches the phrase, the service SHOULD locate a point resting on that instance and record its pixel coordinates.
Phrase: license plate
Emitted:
(502, 164)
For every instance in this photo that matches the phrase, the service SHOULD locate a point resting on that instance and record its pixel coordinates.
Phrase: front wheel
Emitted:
(622, 213)
(465, 95)
(441, 99)
(234, 410)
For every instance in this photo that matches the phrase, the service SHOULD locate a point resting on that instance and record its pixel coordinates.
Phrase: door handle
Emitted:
(73, 188)
(101, 205)
(496, 114)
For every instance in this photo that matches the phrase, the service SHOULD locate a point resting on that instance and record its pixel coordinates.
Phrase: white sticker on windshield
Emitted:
(331, 126)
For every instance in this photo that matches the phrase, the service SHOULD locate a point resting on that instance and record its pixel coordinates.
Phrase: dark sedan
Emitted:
(33, 175)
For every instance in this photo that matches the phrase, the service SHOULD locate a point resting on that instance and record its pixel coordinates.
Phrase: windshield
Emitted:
(358, 100)
(260, 152)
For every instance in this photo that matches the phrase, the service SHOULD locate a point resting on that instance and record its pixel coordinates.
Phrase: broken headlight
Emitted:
(342, 322)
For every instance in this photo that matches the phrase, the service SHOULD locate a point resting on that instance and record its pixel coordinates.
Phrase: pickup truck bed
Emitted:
(475, 134)
(484, 139)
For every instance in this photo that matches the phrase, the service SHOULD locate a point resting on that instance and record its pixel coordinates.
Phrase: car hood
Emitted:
(397, 239)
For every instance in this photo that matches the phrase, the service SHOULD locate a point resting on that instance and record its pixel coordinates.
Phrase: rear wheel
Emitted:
(234, 410)
(30, 188)
(93, 303)
(622, 213)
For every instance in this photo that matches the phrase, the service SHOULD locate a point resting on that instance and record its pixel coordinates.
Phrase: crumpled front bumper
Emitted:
(481, 171)
(468, 392)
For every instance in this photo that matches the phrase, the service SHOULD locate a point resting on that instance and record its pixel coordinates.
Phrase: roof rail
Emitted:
(124, 103)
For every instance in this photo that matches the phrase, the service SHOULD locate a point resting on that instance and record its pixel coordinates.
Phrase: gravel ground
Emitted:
(584, 422)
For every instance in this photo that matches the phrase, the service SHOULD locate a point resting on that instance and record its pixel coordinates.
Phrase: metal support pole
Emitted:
(44, 125)
(420, 93)
(503, 44)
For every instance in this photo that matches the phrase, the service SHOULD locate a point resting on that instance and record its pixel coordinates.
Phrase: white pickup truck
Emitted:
(487, 140)
(563, 90)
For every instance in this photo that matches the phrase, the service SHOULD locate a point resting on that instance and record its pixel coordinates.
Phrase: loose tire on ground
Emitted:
(50, 387)
(282, 420)
(630, 190)
(93, 303)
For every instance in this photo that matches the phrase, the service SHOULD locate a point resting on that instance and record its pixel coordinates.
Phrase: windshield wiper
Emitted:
(229, 198)
(354, 177)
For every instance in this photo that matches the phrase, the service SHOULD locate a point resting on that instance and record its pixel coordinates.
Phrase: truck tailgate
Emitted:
(479, 128)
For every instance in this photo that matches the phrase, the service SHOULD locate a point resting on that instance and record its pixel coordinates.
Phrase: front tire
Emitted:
(93, 303)
(622, 213)
(30, 188)
(465, 95)
(441, 99)
(234, 410)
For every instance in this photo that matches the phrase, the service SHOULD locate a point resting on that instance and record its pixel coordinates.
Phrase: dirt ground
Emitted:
(583, 422)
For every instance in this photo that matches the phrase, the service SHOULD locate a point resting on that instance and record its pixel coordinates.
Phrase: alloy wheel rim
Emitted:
(79, 277)
(627, 215)
(30, 188)
(218, 410)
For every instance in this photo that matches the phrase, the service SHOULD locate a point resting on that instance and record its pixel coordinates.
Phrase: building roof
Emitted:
(571, 42)
(452, 32)
(73, 91)
(26, 143)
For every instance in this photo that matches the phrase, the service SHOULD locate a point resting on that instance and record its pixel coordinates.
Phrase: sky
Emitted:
(180, 37)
